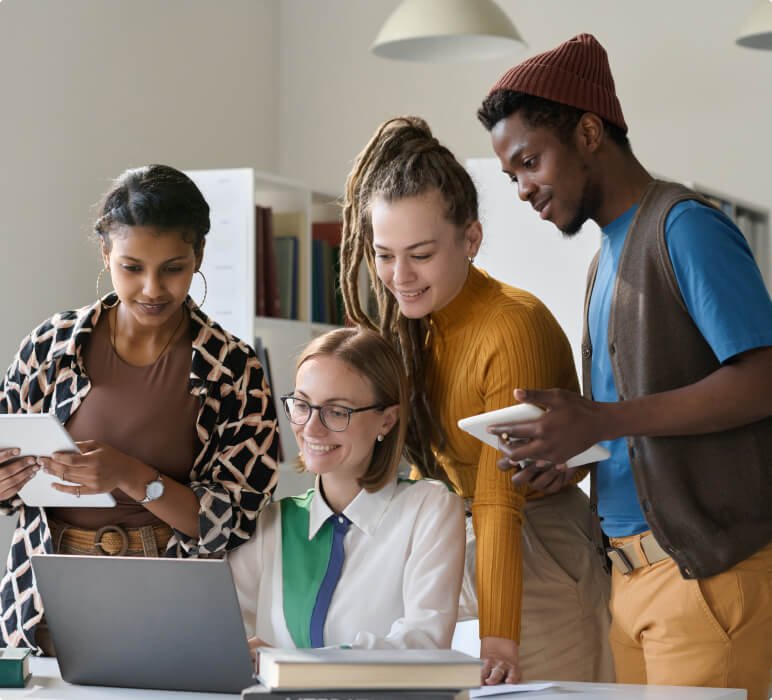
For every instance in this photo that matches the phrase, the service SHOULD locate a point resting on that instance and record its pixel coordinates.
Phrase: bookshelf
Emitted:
(751, 219)
(256, 218)
(295, 209)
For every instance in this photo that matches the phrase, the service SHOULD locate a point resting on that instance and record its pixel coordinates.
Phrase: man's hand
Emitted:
(501, 661)
(569, 426)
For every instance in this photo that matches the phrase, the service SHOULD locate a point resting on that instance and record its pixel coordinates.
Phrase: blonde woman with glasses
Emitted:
(364, 559)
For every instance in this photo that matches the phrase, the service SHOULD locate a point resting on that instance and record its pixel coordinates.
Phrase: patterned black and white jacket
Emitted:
(234, 471)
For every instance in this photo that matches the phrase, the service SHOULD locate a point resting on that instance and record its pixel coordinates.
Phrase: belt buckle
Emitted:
(619, 560)
(111, 528)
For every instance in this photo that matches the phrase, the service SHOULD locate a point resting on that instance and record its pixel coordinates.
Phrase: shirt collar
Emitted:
(365, 511)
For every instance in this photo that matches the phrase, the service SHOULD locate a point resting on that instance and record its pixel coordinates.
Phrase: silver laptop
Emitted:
(132, 622)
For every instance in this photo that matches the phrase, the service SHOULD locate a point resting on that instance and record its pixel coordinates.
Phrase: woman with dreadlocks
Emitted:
(467, 341)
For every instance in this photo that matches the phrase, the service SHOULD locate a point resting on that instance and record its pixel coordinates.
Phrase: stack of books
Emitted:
(364, 674)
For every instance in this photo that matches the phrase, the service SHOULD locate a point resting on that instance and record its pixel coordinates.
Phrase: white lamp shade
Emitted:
(447, 30)
(757, 31)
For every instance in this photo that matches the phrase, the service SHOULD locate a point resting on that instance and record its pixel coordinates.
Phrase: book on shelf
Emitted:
(267, 301)
(14, 667)
(260, 692)
(319, 309)
(287, 275)
(262, 355)
(374, 669)
(328, 300)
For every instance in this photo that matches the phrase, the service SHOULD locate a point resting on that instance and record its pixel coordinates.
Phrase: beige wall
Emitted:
(91, 87)
(698, 107)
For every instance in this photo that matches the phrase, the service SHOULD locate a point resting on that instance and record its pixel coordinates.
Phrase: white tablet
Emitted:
(41, 434)
(478, 426)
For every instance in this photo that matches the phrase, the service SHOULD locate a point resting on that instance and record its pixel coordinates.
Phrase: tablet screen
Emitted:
(41, 434)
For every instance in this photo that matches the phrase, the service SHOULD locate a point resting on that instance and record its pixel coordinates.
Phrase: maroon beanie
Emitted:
(576, 74)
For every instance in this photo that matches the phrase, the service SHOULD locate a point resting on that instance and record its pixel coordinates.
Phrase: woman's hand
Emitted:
(254, 643)
(15, 471)
(539, 475)
(98, 468)
(501, 661)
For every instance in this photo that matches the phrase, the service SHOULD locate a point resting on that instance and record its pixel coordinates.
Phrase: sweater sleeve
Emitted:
(525, 348)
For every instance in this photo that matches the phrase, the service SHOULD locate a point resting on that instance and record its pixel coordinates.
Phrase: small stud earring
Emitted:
(379, 438)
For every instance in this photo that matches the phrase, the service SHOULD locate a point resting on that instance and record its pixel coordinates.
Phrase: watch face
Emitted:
(154, 490)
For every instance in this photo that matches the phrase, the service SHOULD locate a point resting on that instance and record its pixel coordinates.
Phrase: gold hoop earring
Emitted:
(203, 277)
(99, 294)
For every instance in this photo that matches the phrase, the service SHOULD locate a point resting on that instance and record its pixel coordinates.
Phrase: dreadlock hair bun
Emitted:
(403, 159)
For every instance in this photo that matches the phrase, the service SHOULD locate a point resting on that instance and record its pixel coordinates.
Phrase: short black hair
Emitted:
(540, 112)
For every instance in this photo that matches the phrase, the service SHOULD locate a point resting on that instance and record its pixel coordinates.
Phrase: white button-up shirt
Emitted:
(401, 576)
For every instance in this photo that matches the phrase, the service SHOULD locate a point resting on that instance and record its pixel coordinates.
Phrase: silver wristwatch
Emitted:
(153, 489)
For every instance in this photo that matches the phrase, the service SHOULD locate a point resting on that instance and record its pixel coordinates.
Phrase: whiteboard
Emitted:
(230, 249)
(522, 250)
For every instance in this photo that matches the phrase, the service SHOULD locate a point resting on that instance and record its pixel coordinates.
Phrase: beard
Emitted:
(589, 204)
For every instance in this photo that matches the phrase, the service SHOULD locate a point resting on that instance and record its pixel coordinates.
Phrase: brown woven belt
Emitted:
(629, 557)
(110, 540)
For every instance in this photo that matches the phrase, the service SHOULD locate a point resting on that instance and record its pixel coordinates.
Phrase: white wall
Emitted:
(698, 107)
(90, 88)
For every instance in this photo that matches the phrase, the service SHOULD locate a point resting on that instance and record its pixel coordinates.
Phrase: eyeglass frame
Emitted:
(318, 408)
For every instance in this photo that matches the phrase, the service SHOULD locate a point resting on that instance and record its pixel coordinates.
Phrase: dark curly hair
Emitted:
(540, 112)
(155, 195)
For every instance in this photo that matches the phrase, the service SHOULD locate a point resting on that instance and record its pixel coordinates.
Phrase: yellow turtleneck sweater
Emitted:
(491, 339)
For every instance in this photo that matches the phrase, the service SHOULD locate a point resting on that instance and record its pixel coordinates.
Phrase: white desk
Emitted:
(566, 690)
(47, 683)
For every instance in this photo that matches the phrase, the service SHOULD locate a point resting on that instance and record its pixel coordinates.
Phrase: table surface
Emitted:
(47, 683)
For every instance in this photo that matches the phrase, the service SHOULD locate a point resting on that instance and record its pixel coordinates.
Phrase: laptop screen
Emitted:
(135, 622)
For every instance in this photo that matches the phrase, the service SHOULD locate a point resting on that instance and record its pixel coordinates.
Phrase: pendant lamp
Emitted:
(445, 31)
(757, 30)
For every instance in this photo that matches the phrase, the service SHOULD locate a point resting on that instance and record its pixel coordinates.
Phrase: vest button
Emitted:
(612, 349)
(646, 505)
(586, 352)
(593, 508)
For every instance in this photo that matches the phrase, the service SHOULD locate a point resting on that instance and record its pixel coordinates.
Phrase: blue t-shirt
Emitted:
(726, 298)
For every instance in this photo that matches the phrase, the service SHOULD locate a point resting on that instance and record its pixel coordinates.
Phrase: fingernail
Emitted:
(15, 451)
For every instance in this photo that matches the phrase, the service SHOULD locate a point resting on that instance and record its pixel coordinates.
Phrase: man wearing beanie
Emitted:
(677, 372)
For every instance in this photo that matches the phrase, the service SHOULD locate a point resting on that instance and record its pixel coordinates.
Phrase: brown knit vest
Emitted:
(706, 497)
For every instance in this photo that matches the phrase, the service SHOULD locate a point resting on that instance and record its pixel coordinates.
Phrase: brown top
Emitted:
(145, 412)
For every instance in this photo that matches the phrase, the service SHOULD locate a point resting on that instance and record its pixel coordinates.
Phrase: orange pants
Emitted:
(713, 632)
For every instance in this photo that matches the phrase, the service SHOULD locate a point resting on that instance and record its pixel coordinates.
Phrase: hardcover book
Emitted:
(260, 692)
(374, 669)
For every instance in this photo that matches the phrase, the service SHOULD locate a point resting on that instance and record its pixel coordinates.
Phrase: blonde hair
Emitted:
(402, 159)
(369, 354)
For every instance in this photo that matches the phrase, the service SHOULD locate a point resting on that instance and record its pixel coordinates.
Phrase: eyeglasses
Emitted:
(333, 416)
